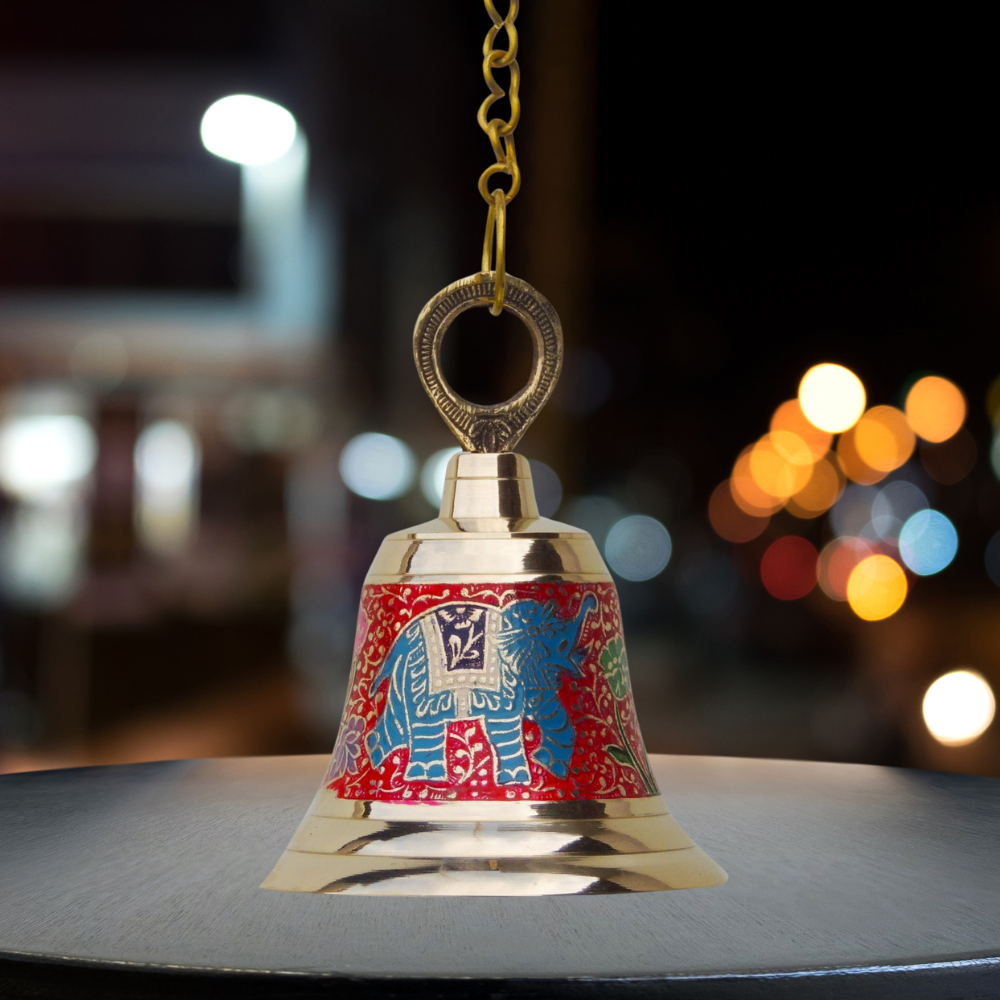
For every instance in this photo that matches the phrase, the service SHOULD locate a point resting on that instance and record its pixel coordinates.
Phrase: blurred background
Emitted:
(775, 248)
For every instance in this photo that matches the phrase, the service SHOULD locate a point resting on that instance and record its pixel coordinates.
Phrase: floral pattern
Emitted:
(614, 663)
(347, 749)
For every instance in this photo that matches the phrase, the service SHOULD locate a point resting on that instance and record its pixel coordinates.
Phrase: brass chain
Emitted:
(501, 136)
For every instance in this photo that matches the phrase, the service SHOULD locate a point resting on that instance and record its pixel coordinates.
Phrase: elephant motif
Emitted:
(465, 660)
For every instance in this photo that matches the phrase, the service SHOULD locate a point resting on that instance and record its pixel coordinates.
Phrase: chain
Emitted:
(501, 136)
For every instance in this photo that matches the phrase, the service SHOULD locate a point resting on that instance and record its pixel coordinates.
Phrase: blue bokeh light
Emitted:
(928, 542)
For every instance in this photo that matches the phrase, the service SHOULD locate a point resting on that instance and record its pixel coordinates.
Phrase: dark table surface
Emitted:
(845, 881)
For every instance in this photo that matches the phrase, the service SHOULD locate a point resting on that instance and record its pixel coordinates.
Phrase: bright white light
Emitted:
(959, 707)
(167, 465)
(377, 466)
(638, 547)
(247, 129)
(432, 475)
(167, 457)
(42, 455)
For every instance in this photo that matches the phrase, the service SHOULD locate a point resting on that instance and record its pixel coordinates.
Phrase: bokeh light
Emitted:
(377, 466)
(852, 512)
(895, 503)
(952, 460)
(167, 461)
(167, 456)
(247, 129)
(729, 520)
(746, 493)
(992, 558)
(788, 568)
(791, 447)
(853, 464)
(778, 476)
(928, 542)
(432, 475)
(959, 707)
(638, 547)
(837, 562)
(993, 401)
(789, 417)
(832, 397)
(935, 408)
(876, 587)
(548, 487)
(883, 438)
(821, 492)
(41, 455)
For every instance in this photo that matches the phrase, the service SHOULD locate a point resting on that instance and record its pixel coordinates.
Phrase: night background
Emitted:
(713, 205)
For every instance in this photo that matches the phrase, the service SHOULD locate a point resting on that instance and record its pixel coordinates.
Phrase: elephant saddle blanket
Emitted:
(461, 645)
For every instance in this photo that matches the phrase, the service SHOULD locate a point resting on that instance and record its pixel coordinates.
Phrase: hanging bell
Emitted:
(489, 743)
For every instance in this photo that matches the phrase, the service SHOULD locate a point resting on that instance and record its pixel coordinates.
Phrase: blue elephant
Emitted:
(465, 660)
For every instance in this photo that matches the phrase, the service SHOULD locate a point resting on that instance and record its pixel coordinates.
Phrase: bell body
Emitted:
(489, 743)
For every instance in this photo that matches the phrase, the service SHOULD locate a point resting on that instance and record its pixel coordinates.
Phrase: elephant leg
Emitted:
(557, 732)
(506, 735)
(427, 751)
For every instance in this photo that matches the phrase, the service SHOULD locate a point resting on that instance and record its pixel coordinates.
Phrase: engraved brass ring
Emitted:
(499, 427)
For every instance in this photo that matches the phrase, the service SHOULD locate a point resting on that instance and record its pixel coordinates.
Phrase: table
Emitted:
(844, 881)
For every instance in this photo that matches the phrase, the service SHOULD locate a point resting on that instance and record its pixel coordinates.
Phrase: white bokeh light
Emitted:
(167, 470)
(167, 456)
(432, 475)
(638, 547)
(377, 466)
(959, 707)
(42, 455)
(247, 129)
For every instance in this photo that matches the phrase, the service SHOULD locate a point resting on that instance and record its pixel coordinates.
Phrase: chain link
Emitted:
(501, 133)
(501, 136)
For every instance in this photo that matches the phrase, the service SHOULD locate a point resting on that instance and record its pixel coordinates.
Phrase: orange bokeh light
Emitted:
(854, 466)
(935, 408)
(837, 562)
(775, 474)
(883, 438)
(789, 417)
(747, 495)
(821, 492)
(731, 521)
(876, 588)
(791, 447)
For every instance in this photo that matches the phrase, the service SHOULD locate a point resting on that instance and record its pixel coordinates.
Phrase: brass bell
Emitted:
(489, 743)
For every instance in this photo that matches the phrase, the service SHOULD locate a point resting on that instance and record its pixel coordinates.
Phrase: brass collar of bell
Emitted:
(488, 529)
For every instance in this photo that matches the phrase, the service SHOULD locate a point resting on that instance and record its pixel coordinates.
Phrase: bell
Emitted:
(489, 743)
